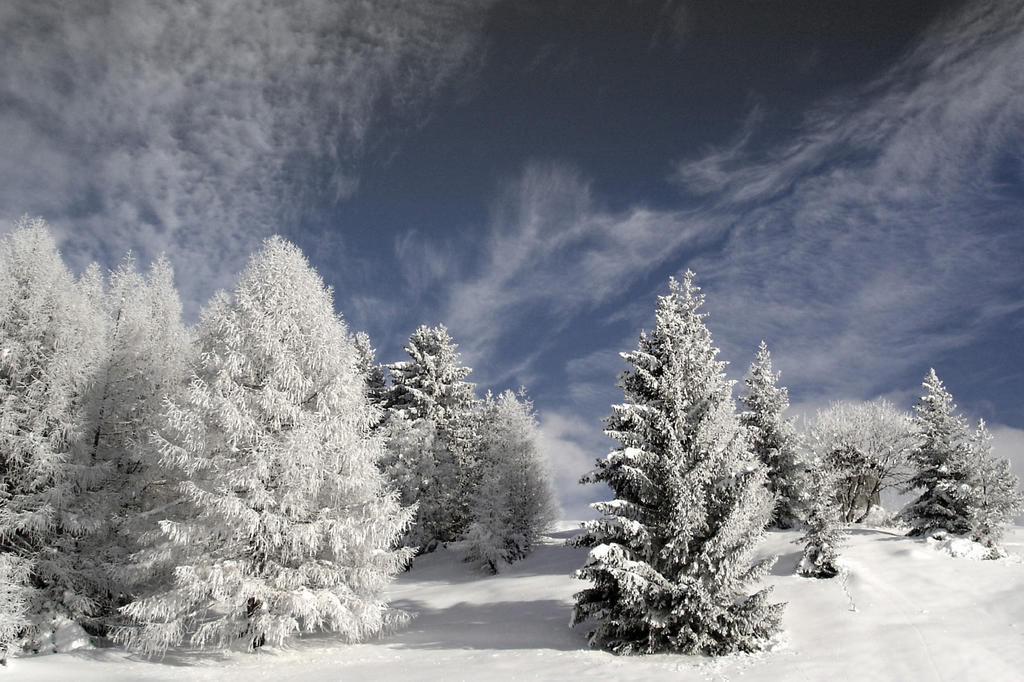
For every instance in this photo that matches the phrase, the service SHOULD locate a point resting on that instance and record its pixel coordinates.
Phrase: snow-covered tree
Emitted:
(287, 524)
(146, 352)
(942, 464)
(964, 489)
(868, 444)
(773, 438)
(14, 577)
(995, 494)
(672, 553)
(824, 530)
(418, 465)
(431, 384)
(515, 500)
(429, 390)
(50, 338)
(373, 373)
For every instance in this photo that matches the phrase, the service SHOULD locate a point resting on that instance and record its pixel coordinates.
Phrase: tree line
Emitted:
(260, 474)
(696, 482)
(234, 483)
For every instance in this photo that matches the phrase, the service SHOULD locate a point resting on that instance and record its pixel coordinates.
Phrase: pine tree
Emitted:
(941, 463)
(49, 344)
(672, 552)
(429, 390)
(773, 438)
(288, 525)
(824, 533)
(145, 362)
(515, 501)
(996, 496)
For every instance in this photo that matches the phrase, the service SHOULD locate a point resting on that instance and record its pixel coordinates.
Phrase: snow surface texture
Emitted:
(921, 614)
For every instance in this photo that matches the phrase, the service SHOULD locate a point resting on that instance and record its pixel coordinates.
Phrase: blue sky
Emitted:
(847, 182)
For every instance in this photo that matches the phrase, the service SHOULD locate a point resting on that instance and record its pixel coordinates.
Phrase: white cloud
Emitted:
(571, 445)
(198, 127)
(1008, 443)
(592, 379)
(550, 254)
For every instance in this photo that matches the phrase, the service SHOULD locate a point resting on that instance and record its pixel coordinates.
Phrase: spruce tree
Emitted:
(824, 532)
(671, 554)
(286, 524)
(431, 384)
(418, 465)
(515, 501)
(430, 392)
(941, 463)
(773, 438)
(50, 339)
(995, 494)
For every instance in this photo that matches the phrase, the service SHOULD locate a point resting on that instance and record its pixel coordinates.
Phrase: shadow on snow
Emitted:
(541, 624)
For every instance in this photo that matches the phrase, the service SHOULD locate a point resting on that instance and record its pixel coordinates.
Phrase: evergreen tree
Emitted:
(144, 362)
(515, 501)
(996, 496)
(672, 552)
(418, 465)
(372, 372)
(50, 339)
(431, 384)
(429, 390)
(941, 463)
(287, 524)
(824, 532)
(773, 438)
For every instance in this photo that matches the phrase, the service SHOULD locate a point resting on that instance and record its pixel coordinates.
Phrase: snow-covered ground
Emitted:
(907, 610)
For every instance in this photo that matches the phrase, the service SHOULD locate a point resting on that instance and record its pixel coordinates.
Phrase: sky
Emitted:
(845, 179)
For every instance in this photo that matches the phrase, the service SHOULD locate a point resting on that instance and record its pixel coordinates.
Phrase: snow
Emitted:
(920, 613)
(68, 636)
(959, 546)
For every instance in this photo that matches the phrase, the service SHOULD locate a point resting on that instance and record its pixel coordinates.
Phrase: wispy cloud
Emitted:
(198, 127)
(869, 244)
(571, 445)
(874, 238)
(880, 236)
(551, 254)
